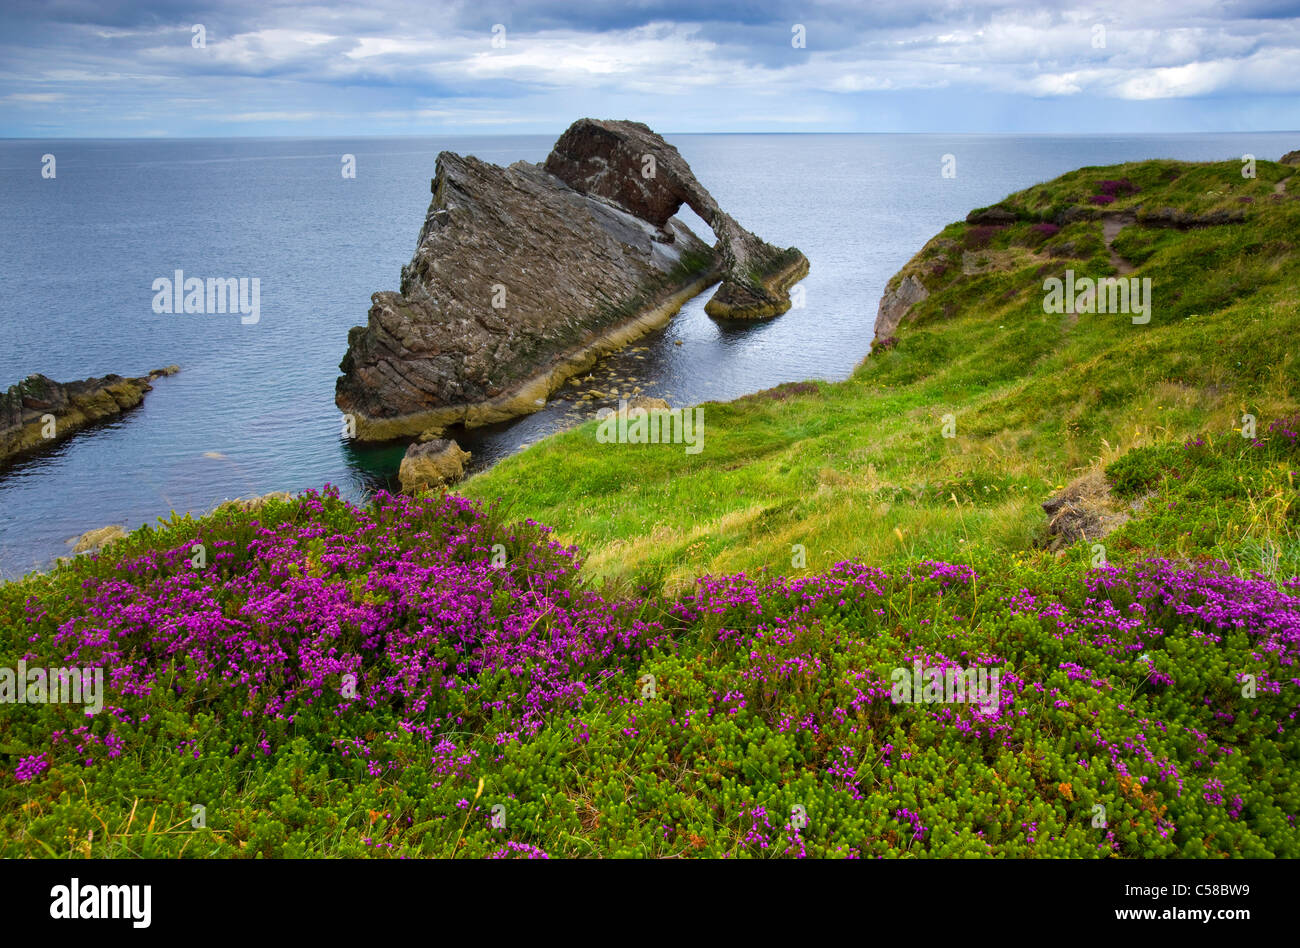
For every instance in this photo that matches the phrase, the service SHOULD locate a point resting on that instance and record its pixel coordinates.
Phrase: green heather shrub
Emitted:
(753, 717)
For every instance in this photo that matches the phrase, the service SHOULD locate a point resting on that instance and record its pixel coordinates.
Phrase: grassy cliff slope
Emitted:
(861, 468)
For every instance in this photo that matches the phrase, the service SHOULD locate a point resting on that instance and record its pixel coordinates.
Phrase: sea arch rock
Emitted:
(628, 164)
(524, 276)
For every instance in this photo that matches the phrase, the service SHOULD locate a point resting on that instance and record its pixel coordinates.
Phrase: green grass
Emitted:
(860, 468)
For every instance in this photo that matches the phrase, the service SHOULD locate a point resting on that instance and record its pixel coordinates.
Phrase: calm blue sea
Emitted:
(253, 410)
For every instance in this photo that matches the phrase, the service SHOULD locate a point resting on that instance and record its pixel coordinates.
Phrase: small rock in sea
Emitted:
(648, 404)
(432, 464)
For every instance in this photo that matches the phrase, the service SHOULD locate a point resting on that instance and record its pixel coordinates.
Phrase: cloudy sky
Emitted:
(89, 68)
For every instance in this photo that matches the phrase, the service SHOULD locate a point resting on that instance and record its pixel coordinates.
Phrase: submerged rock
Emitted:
(523, 276)
(38, 411)
(432, 464)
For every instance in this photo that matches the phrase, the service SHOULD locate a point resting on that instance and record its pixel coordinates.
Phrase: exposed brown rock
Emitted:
(995, 216)
(645, 403)
(432, 464)
(94, 540)
(1290, 158)
(1185, 220)
(627, 163)
(1084, 510)
(524, 276)
(896, 303)
(1078, 212)
(257, 503)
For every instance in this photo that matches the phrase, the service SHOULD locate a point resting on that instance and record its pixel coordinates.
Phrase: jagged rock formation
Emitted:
(897, 300)
(1290, 158)
(524, 276)
(37, 412)
(627, 163)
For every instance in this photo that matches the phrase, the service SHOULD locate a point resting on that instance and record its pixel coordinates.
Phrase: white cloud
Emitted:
(1177, 81)
(304, 63)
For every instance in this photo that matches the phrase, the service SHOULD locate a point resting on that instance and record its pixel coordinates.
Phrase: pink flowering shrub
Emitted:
(353, 673)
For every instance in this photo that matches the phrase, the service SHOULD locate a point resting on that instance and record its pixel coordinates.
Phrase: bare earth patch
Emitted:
(1084, 510)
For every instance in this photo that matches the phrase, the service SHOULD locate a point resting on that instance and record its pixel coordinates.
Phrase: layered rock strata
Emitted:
(38, 412)
(524, 276)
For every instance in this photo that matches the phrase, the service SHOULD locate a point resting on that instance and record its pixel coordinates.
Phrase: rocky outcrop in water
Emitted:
(432, 464)
(627, 163)
(38, 411)
(523, 276)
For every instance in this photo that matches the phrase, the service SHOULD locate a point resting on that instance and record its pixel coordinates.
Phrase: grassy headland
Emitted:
(1038, 399)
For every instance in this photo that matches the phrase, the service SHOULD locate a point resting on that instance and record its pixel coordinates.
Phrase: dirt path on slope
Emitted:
(1111, 225)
